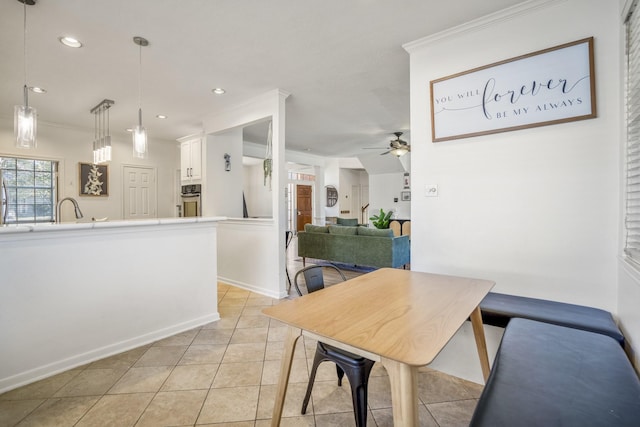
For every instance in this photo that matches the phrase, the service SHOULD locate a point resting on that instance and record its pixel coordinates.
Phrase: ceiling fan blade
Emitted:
(386, 152)
(374, 148)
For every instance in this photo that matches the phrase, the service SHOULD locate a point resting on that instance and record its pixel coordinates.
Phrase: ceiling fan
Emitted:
(397, 147)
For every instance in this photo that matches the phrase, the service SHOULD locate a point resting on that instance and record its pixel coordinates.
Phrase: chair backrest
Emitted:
(395, 226)
(314, 278)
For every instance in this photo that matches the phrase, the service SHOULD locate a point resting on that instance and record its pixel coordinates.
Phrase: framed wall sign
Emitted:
(551, 86)
(94, 180)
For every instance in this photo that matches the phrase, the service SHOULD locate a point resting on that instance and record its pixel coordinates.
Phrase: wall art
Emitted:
(94, 180)
(551, 86)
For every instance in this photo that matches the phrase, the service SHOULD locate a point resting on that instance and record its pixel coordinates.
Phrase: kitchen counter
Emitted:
(77, 226)
(73, 293)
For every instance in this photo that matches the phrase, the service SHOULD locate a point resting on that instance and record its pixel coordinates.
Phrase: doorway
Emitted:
(304, 206)
(139, 192)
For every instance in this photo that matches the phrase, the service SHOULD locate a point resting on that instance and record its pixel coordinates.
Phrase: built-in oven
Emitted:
(191, 200)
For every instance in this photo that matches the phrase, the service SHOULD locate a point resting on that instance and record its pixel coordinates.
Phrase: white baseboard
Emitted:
(59, 366)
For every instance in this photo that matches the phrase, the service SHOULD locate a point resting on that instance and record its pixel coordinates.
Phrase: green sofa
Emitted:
(353, 245)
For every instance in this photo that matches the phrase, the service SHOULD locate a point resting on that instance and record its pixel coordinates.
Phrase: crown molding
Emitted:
(480, 23)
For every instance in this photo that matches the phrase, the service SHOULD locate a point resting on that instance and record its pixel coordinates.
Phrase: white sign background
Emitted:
(547, 87)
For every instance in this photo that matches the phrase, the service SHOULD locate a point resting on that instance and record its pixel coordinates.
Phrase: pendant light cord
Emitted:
(140, 86)
(24, 52)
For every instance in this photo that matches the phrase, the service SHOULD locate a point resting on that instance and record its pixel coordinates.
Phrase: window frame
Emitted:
(13, 200)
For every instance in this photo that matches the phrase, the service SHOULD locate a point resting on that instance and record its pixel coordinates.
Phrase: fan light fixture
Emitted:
(25, 119)
(400, 151)
(102, 141)
(139, 132)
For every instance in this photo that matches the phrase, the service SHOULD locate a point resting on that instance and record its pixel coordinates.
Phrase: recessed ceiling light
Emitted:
(218, 91)
(161, 116)
(37, 89)
(70, 41)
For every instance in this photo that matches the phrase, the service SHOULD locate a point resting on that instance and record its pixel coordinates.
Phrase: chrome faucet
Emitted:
(75, 207)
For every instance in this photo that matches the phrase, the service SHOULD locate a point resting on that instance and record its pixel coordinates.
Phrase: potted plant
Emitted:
(381, 220)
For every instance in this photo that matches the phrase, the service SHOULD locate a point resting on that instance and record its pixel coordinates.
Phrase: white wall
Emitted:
(82, 292)
(222, 189)
(535, 210)
(257, 195)
(251, 242)
(73, 145)
(383, 189)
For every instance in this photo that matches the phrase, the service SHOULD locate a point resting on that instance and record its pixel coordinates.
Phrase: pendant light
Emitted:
(139, 132)
(102, 139)
(25, 117)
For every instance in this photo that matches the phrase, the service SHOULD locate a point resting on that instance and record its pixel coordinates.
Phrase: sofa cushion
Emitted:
(342, 230)
(375, 232)
(352, 222)
(310, 228)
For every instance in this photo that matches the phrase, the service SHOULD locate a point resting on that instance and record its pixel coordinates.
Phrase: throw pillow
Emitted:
(351, 222)
(345, 231)
(310, 228)
(375, 232)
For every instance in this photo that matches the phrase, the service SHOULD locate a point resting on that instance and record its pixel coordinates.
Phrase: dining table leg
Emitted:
(404, 392)
(481, 343)
(285, 370)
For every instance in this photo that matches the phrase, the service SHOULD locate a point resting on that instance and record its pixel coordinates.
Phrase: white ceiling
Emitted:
(341, 60)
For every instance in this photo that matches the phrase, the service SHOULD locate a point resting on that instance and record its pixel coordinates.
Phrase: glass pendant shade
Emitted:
(102, 140)
(25, 118)
(139, 132)
(140, 139)
(25, 126)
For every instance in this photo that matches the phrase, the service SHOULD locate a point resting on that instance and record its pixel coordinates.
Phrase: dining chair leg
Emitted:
(312, 377)
(358, 379)
(340, 373)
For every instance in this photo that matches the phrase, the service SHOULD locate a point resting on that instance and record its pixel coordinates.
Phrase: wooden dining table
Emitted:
(400, 318)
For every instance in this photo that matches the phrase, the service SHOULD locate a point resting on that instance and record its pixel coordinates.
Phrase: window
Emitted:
(632, 193)
(30, 189)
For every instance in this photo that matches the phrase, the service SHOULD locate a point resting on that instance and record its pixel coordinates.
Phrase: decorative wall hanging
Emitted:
(94, 180)
(227, 162)
(551, 86)
(332, 196)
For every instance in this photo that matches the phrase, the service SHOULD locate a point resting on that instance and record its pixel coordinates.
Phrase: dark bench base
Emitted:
(548, 375)
(498, 309)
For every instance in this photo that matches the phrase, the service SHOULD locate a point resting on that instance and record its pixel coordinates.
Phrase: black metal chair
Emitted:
(357, 368)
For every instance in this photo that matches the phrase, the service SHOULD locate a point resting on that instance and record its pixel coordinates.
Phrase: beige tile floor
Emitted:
(221, 374)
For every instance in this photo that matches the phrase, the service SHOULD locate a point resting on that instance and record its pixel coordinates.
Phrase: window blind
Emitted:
(632, 208)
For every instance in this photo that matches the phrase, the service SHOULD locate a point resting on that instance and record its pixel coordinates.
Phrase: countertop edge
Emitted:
(67, 226)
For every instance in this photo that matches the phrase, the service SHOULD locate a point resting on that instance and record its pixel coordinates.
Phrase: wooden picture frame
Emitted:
(550, 86)
(93, 179)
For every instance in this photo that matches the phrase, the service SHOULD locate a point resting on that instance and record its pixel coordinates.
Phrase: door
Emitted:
(303, 200)
(139, 195)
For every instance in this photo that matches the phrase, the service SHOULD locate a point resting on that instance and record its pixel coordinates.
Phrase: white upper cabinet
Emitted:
(191, 160)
